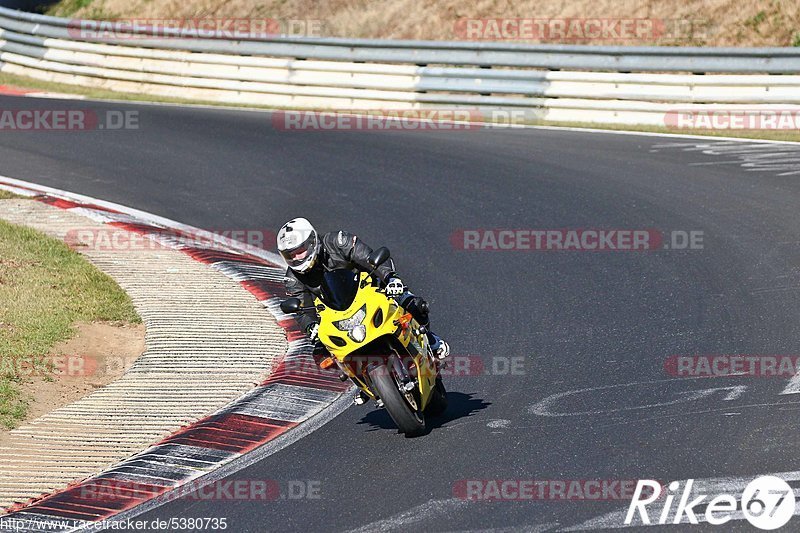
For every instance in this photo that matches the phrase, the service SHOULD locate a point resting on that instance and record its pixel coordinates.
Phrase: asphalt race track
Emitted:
(598, 325)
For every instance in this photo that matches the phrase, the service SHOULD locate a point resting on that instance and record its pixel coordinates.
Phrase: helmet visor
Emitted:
(295, 257)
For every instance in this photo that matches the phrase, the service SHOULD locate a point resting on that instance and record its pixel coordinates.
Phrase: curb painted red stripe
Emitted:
(8, 90)
(69, 204)
(231, 432)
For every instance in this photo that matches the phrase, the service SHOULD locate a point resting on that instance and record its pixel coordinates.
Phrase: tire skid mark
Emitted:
(782, 159)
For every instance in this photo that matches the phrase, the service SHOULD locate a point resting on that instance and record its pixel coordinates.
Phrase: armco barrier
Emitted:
(555, 82)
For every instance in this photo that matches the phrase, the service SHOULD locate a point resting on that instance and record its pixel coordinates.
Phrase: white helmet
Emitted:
(298, 244)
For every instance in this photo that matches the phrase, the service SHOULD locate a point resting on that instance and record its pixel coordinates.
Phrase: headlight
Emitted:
(358, 333)
(350, 323)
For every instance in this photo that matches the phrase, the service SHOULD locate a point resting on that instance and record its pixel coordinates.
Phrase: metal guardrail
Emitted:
(559, 82)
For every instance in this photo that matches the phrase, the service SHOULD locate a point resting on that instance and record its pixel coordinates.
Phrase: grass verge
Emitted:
(101, 94)
(5, 195)
(45, 287)
(89, 92)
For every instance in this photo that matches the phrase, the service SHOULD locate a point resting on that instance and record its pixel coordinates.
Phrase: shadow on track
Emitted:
(460, 405)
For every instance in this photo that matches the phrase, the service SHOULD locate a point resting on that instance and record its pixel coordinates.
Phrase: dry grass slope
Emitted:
(715, 22)
(45, 288)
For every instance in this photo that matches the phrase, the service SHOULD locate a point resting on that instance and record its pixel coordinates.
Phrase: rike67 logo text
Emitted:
(767, 502)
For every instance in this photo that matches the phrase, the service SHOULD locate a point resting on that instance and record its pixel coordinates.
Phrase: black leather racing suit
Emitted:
(342, 250)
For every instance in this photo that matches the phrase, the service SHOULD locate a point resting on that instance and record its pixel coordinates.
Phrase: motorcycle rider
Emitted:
(309, 256)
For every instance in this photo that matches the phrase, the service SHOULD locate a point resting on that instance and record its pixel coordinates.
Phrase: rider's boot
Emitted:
(360, 398)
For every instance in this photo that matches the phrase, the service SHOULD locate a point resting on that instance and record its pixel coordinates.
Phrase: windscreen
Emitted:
(339, 288)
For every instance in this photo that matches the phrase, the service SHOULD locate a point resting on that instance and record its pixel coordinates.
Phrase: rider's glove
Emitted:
(395, 287)
(312, 332)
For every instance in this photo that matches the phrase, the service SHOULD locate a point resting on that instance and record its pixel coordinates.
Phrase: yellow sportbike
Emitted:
(378, 345)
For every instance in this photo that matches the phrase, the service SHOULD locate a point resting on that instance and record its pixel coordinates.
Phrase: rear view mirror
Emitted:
(378, 257)
(290, 306)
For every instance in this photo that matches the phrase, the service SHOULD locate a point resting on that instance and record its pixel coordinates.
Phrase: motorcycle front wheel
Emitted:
(408, 420)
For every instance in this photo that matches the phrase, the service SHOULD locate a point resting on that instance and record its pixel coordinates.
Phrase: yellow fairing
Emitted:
(381, 318)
